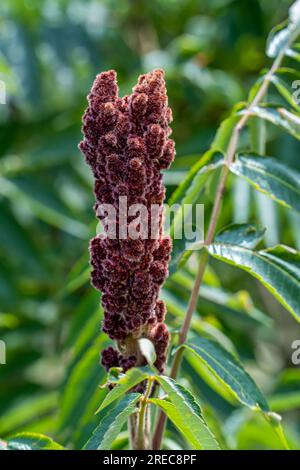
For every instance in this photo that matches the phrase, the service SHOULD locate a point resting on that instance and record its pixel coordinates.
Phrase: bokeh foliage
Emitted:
(50, 51)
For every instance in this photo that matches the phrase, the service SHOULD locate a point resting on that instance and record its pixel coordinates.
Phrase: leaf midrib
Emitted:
(257, 253)
(226, 371)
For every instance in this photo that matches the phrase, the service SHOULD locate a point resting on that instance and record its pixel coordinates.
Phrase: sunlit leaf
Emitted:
(294, 13)
(31, 441)
(229, 371)
(270, 177)
(185, 413)
(280, 117)
(278, 269)
(278, 39)
(285, 91)
(110, 426)
(241, 234)
(126, 382)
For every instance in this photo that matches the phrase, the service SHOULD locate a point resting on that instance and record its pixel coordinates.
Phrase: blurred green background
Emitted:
(50, 51)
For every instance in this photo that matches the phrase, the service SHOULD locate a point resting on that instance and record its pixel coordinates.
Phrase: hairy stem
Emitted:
(142, 438)
(230, 155)
(132, 426)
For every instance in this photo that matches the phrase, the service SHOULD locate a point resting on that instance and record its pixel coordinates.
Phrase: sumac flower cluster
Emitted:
(126, 143)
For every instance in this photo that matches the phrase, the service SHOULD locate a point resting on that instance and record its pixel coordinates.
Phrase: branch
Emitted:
(141, 435)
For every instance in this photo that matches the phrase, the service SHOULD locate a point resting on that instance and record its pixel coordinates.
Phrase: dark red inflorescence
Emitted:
(126, 143)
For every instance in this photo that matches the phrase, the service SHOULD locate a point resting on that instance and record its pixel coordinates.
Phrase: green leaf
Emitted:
(31, 441)
(278, 269)
(270, 177)
(280, 117)
(185, 412)
(285, 92)
(147, 350)
(294, 13)
(110, 426)
(229, 371)
(293, 54)
(278, 39)
(288, 74)
(179, 395)
(125, 383)
(193, 429)
(241, 234)
(114, 374)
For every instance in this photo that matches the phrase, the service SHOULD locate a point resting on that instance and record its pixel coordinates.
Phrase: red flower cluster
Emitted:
(126, 143)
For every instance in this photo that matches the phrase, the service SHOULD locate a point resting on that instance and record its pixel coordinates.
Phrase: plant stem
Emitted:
(230, 155)
(142, 437)
(132, 426)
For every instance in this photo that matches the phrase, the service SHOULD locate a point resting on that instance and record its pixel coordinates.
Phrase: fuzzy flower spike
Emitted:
(126, 143)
